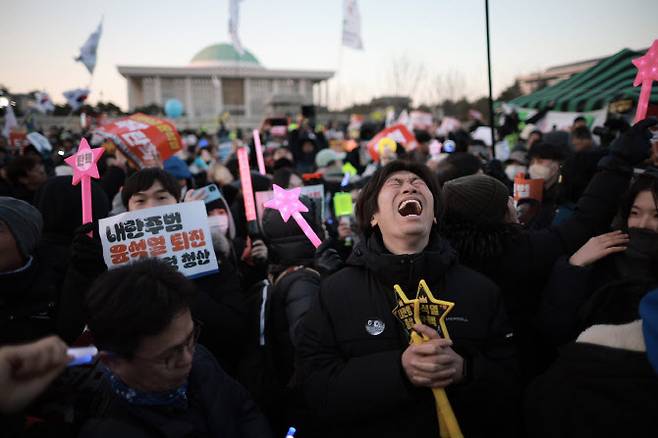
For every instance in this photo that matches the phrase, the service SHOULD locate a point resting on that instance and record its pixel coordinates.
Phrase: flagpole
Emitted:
(491, 112)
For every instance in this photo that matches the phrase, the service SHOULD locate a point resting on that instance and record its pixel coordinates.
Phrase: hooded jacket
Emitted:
(353, 375)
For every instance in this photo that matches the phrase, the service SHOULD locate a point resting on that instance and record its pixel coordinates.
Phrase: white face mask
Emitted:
(547, 173)
(514, 169)
(220, 222)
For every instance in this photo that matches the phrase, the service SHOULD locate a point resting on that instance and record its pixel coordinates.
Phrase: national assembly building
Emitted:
(219, 80)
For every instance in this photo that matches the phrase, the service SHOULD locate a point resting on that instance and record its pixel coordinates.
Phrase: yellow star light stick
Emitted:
(426, 309)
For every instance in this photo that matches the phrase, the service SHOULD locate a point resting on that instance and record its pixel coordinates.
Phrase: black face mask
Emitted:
(640, 260)
(643, 243)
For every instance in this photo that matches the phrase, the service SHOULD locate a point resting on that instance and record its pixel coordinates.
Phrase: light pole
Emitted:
(491, 113)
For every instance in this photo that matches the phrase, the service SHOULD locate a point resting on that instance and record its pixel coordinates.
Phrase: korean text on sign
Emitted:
(177, 234)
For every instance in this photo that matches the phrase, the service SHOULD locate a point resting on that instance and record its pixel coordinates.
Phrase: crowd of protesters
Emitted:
(554, 330)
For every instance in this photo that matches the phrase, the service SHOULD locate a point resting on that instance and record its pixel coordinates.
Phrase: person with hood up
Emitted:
(27, 295)
(360, 374)
(292, 286)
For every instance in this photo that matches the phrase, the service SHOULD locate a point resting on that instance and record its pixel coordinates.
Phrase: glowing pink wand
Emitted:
(288, 204)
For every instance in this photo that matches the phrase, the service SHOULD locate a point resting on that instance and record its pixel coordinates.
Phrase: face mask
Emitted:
(547, 173)
(643, 243)
(219, 221)
(514, 169)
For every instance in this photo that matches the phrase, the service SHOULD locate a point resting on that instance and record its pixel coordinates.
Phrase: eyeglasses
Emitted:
(169, 358)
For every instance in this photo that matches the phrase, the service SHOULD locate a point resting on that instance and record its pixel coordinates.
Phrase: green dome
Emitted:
(223, 53)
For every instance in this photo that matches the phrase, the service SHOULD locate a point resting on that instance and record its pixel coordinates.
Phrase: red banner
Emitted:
(18, 140)
(399, 133)
(145, 140)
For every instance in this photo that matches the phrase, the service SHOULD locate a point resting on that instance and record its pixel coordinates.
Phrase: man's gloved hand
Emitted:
(326, 260)
(87, 252)
(633, 146)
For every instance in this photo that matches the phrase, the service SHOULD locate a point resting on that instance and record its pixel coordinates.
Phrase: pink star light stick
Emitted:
(647, 72)
(288, 204)
(84, 167)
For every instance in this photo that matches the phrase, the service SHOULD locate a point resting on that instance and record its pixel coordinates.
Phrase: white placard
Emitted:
(177, 234)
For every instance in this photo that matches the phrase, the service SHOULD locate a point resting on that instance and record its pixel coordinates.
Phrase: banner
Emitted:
(352, 25)
(143, 139)
(88, 50)
(421, 120)
(563, 120)
(233, 25)
(43, 103)
(75, 98)
(178, 234)
(398, 133)
(10, 121)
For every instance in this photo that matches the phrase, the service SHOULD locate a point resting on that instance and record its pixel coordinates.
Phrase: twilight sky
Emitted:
(444, 38)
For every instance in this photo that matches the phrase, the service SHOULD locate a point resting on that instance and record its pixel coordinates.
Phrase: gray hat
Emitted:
(479, 199)
(24, 222)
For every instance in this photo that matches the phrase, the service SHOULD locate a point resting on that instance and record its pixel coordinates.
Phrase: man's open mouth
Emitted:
(410, 207)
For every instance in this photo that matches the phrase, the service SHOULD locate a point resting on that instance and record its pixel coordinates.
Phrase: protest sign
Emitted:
(398, 133)
(528, 188)
(343, 204)
(143, 139)
(178, 234)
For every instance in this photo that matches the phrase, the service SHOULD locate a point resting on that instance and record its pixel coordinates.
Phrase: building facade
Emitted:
(219, 80)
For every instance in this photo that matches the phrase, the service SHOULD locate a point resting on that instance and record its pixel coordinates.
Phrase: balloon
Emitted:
(173, 108)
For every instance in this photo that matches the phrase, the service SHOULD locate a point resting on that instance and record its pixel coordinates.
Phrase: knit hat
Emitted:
(177, 167)
(24, 222)
(480, 199)
(327, 156)
(649, 314)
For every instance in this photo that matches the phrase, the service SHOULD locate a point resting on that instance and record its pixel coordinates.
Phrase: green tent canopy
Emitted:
(609, 80)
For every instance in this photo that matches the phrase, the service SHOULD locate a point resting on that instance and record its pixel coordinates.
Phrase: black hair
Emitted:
(644, 182)
(145, 178)
(582, 132)
(281, 177)
(366, 204)
(456, 165)
(129, 303)
(545, 150)
(20, 166)
(580, 119)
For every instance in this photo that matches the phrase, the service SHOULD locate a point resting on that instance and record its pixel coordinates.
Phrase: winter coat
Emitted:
(217, 407)
(27, 303)
(601, 386)
(527, 258)
(353, 376)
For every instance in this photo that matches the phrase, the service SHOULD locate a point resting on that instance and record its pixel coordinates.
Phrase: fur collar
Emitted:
(625, 336)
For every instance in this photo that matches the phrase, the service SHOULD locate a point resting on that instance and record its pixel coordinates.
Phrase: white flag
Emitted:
(75, 98)
(43, 103)
(88, 50)
(352, 25)
(10, 121)
(233, 24)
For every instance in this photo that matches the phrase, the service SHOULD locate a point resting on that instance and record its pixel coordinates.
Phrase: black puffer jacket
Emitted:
(355, 379)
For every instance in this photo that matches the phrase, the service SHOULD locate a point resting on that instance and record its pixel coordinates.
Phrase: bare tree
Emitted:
(405, 77)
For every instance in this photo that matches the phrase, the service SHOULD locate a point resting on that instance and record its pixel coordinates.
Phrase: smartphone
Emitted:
(213, 193)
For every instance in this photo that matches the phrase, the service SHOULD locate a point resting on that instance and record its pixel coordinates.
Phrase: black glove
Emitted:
(87, 252)
(326, 260)
(633, 146)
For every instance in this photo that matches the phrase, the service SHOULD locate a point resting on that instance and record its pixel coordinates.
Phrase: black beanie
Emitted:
(24, 222)
(480, 199)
